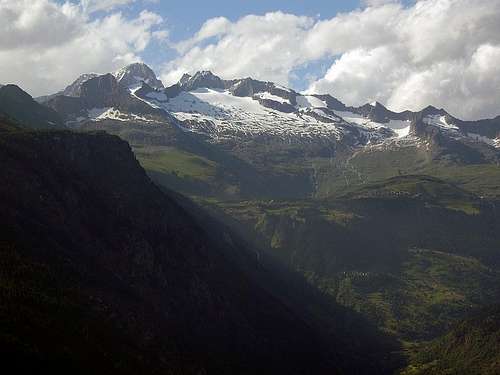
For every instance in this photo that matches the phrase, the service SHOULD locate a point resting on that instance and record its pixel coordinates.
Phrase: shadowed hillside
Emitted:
(103, 272)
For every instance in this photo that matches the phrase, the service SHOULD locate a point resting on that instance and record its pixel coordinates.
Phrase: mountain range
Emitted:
(248, 228)
(289, 138)
(239, 108)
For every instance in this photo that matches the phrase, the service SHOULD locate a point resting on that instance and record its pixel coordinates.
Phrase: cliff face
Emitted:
(102, 272)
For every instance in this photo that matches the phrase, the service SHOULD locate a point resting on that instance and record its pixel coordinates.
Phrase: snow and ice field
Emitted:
(230, 115)
(221, 114)
(97, 114)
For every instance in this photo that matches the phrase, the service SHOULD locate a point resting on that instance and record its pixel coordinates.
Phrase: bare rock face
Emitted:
(279, 106)
(75, 89)
(203, 79)
(102, 91)
(137, 73)
(247, 87)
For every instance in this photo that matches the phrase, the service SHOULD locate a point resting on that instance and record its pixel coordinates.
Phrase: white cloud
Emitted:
(91, 6)
(265, 47)
(377, 3)
(46, 45)
(39, 24)
(369, 72)
(467, 87)
(211, 28)
(440, 52)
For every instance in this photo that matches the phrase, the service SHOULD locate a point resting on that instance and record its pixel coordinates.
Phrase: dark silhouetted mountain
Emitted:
(19, 105)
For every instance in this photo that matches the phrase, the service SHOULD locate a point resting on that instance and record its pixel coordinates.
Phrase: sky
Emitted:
(404, 54)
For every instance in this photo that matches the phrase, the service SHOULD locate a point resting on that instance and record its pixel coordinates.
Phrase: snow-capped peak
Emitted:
(135, 74)
(201, 79)
(205, 73)
(245, 107)
(185, 77)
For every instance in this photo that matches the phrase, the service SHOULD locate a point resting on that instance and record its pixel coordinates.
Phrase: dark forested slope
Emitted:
(100, 271)
(472, 347)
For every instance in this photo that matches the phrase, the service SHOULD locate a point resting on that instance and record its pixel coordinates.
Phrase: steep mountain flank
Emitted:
(102, 272)
(19, 105)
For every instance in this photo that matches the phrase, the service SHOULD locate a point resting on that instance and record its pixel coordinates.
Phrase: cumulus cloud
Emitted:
(436, 52)
(362, 75)
(45, 45)
(440, 52)
(376, 3)
(264, 47)
(91, 6)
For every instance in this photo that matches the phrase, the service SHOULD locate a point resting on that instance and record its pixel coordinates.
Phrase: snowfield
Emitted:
(261, 109)
(309, 101)
(222, 115)
(401, 128)
(440, 122)
(268, 110)
(98, 114)
(268, 96)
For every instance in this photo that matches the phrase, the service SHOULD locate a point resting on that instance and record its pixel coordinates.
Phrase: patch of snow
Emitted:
(213, 102)
(98, 114)
(154, 103)
(403, 132)
(356, 118)
(269, 96)
(323, 113)
(237, 84)
(400, 127)
(282, 88)
(309, 101)
(134, 88)
(439, 121)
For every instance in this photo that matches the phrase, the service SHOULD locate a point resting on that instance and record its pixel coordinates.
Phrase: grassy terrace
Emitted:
(175, 161)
